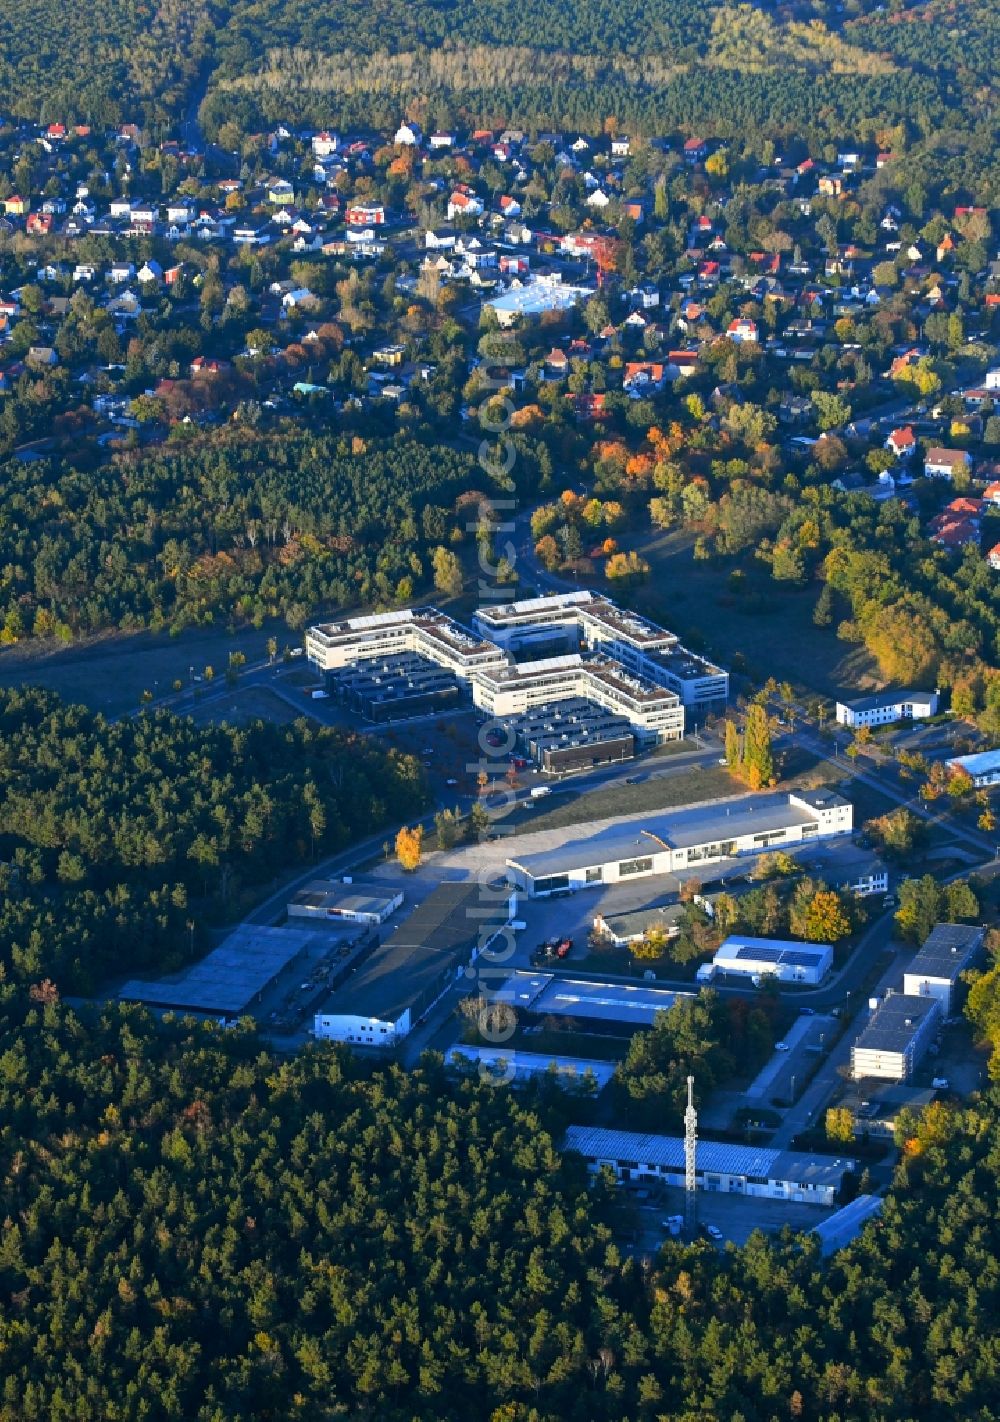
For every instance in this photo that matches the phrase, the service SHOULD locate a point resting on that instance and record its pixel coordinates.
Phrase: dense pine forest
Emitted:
(831, 71)
(250, 527)
(120, 841)
(194, 1229)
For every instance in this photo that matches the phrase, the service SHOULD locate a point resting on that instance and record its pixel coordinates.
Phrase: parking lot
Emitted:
(737, 1216)
(574, 916)
(785, 1074)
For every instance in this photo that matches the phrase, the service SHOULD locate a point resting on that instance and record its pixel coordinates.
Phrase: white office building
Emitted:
(788, 962)
(683, 841)
(896, 1037)
(887, 707)
(586, 621)
(516, 688)
(721, 1168)
(949, 949)
(423, 630)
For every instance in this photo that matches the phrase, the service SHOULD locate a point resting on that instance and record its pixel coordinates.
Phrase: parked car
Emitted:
(940, 1083)
(712, 1232)
(807, 1012)
(781, 1047)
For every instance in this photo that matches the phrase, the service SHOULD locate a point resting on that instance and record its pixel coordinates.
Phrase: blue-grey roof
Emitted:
(844, 1225)
(679, 829)
(716, 1157)
(977, 764)
(546, 994)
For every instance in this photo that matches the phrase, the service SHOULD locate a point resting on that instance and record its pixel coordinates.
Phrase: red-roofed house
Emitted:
(991, 494)
(993, 557)
(742, 330)
(902, 442)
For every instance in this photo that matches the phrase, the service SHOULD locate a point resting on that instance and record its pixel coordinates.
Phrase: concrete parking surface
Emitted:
(737, 1216)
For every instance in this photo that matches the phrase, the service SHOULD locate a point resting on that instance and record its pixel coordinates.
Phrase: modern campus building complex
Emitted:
(630, 681)
(586, 621)
(518, 688)
(720, 1167)
(682, 841)
(421, 630)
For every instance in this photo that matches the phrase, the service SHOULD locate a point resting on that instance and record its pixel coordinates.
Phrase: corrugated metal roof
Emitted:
(714, 1157)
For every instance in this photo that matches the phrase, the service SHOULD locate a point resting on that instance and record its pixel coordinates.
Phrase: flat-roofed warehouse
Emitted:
(948, 950)
(682, 840)
(789, 962)
(330, 900)
(230, 978)
(383, 998)
(721, 1168)
(896, 1037)
(609, 1007)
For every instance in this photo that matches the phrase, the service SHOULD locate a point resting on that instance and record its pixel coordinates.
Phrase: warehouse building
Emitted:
(983, 767)
(605, 1007)
(683, 841)
(721, 1168)
(887, 707)
(505, 1065)
(896, 1037)
(789, 962)
(230, 979)
(388, 992)
(949, 949)
(635, 925)
(844, 1225)
(328, 900)
(876, 1109)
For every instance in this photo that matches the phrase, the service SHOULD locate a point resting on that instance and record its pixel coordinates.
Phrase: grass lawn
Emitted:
(767, 624)
(110, 673)
(685, 788)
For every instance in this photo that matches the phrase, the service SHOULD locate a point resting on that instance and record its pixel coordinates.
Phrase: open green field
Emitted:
(685, 788)
(110, 673)
(764, 630)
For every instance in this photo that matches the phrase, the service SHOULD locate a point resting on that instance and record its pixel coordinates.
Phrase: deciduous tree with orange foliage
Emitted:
(409, 845)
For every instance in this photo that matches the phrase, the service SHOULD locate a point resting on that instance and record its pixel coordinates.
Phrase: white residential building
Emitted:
(886, 707)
